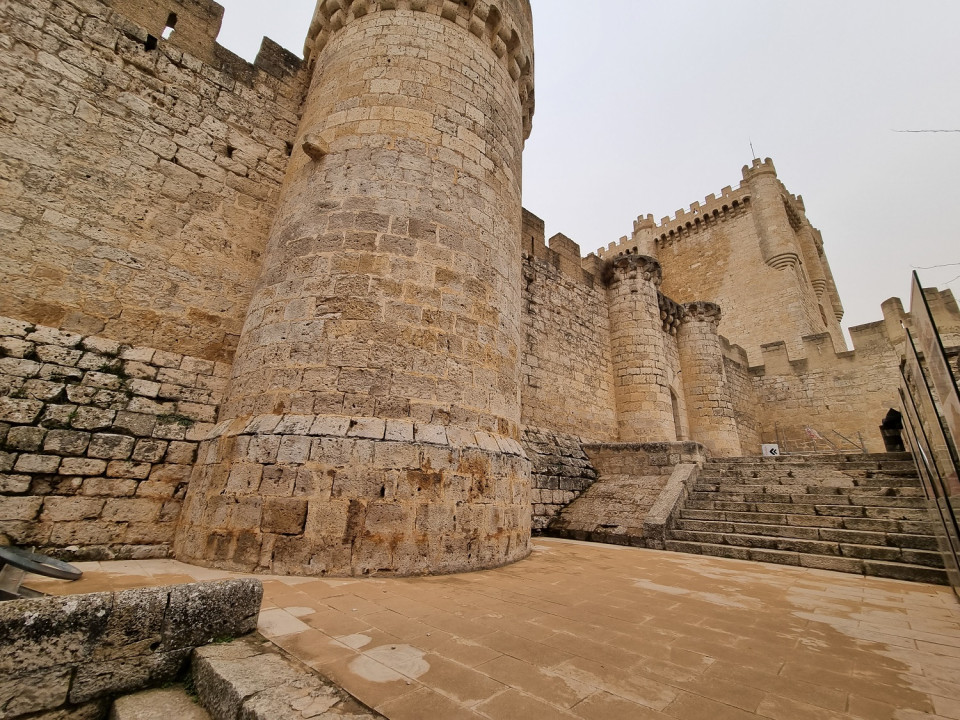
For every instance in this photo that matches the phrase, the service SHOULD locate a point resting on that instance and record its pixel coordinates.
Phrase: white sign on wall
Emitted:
(771, 450)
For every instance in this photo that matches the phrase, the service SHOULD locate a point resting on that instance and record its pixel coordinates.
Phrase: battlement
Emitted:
(759, 167)
(561, 252)
(698, 216)
(506, 25)
(193, 26)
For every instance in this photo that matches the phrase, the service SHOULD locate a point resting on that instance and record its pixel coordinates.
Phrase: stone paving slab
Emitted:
(591, 632)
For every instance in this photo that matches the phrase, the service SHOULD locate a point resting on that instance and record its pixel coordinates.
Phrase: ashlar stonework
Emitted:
(291, 316)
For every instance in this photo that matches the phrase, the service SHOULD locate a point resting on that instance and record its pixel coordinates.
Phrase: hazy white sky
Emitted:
(645, 107)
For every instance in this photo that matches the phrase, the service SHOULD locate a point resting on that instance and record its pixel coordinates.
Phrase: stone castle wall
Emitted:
(743, 392)
(567, 367)
(98, 440)
(139, 179)
(262, 277)
(807, 403)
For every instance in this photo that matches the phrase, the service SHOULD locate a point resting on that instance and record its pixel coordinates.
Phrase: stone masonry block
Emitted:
(294, 450)
(37, 463)
(111, 447)
(67, 509)
(114, 677)
(285, 516)
(149, 450)
(21, 412)
(92, 418)
(330, 425)
(34, 692)
(82, 466)
(27, 439)
(139, 424)
(131, 510)
(20, 508)
(203, 612)
(372, 428)
(179, 452)
(66, 442)
(49, 631)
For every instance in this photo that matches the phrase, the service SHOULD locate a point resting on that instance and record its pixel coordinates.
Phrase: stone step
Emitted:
(781, 488)
(813, 499)
(166, 704)
(812, 476)
(906, 527)
(818, 459)
(247, 678)
(813, 547)
(837, 535)
(876, 568)
(829, 510)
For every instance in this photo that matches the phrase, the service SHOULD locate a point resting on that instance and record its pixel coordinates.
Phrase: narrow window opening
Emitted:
(289, 148)
(171, 24)
(151, 43)
(230, 151)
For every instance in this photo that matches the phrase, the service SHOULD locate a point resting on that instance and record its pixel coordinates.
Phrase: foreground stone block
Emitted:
(250, 680)
(167, 704)
(67, 656)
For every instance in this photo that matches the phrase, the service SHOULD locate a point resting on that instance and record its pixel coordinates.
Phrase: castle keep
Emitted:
(291, 316)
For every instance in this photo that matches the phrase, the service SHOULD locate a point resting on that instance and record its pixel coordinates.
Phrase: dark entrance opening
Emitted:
(891, 429)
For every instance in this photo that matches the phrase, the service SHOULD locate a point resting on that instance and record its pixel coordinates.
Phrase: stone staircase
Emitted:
(863, 514)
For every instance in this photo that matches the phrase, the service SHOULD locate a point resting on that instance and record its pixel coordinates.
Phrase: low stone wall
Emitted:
(97, 441)
(560, 472)
(644, 458)
(67, 657)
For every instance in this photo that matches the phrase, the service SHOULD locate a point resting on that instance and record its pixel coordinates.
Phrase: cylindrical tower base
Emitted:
(330, 495)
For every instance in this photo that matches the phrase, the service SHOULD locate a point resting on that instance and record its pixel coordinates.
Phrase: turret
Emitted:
(372, 420)
(772, 222)
(709, 401)
(638, 344)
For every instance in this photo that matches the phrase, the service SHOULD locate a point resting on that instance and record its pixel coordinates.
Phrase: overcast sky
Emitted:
(645, 107)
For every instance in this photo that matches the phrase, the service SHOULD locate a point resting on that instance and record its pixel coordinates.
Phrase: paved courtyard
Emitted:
(596, 632)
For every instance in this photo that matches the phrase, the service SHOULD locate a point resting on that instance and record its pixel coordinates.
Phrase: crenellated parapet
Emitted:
(702, 312)
(507, 25)
(649, 235)
(192, 26)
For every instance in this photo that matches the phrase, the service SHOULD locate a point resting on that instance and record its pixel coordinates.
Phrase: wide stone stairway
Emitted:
(862, 514)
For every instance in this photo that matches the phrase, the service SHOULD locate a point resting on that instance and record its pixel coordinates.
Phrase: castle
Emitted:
(291, 316)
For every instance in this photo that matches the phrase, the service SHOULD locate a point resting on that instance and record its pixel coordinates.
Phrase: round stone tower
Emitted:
(638, 342)
(372, 421)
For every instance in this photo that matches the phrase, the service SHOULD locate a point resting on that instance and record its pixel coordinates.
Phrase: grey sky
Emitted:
(646, 107)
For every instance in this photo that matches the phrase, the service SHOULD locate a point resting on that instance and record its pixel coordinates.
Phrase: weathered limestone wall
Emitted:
(736, 368)
(68, 657)
(97, 441)
(828, 392)
(561, 472)
(744, 251)
(567, 369)
(140, 176)
(390, 299)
